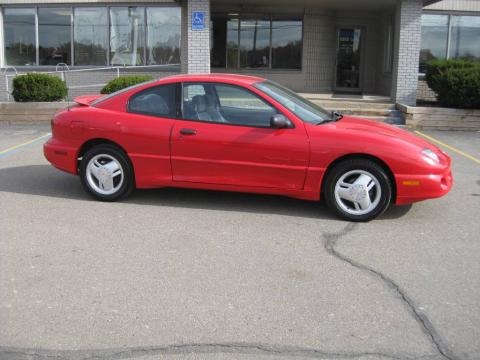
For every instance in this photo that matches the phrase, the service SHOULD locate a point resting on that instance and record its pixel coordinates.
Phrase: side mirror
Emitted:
(280, 121)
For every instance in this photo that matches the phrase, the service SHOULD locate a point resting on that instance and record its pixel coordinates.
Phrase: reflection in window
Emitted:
(465, 37)
(19, 28)
(434, 38)
(286, 44)
(163, 35)
(232, 43)
(127, 35)
(275, 44)
(218, 42)
(91, 36)
(241, 107)
(54, 36)
(388, 48)
(348, 58)
(254, 43)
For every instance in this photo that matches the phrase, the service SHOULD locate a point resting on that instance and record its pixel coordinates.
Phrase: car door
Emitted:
(147, 126)
(224, 137)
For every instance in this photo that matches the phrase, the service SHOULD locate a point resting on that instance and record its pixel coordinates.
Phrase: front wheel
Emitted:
(106, 173)
(357, 190)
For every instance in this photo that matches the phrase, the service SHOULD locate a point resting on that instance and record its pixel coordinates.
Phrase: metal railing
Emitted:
(62, 70)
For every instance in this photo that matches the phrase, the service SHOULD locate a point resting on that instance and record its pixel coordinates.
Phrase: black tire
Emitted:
(109, 153)
(381, 191)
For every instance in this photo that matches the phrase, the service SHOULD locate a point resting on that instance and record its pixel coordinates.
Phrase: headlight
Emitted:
(430, 156)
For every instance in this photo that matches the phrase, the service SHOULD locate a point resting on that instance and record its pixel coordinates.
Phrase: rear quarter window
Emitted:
(156, 101)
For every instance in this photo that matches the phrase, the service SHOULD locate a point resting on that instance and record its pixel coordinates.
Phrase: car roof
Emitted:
(234, 78)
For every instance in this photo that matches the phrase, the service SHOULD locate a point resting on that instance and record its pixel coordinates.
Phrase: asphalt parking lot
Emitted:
(181, 274)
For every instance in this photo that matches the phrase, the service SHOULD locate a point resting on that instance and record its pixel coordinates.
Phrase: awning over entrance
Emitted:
(341, 5)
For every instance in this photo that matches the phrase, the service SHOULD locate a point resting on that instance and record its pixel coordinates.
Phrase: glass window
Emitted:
(19, 26)
(127, 35)
(54, 32)
(218, 42)
(91, 35)
(254, 43)
(275, 44)
(388, 48)
(286, 44)
(195, 105)
(192, 90)
(465, 37)
(158, 101)
(241, 107)
(163, 35)
(434, 38)
(232, 43)
(303, 108)
(225, 104)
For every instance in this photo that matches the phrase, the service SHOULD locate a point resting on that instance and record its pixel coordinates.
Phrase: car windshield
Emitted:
(303, 108)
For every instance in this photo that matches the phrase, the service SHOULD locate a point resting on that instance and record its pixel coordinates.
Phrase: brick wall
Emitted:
(424, 93)
(406, 51)
(318, 50)
(195, 43)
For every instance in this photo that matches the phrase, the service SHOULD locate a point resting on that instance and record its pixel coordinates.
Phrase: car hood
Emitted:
(354, 124)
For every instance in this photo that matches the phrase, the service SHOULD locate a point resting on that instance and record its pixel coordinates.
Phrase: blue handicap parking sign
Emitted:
(198, 20)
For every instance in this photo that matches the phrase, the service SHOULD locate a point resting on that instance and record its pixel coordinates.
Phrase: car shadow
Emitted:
(44, 180)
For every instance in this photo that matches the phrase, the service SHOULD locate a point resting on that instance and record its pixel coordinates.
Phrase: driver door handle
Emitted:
(186, 131)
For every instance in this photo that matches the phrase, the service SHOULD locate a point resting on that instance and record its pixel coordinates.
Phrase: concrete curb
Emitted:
(437, 118)
(28, 112)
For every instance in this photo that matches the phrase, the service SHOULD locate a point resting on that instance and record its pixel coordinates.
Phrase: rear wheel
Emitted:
(106, 173)
(357, 189)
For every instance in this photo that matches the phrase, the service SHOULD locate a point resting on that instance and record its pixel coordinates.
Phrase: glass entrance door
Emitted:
(349, 51)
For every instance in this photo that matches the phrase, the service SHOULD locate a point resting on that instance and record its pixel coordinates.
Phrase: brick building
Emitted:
(343, 46)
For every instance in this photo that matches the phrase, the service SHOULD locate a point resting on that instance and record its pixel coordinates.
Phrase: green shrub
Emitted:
(38, 87)
(123, 82)
(456, 82)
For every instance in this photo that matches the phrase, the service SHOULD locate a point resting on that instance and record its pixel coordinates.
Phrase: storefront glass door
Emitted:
(349, 55)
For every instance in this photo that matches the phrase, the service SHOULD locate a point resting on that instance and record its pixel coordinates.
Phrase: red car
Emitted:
(242, 133)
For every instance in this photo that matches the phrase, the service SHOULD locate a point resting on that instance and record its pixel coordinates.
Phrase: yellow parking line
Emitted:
(23, 144)
(468, 156)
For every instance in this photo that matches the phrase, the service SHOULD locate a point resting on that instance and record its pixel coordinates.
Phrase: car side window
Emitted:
(157, 101)
(227, 104)
(242, 107)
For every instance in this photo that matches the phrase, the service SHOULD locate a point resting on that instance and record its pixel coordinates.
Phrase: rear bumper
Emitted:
(413, 188)
(61, 156)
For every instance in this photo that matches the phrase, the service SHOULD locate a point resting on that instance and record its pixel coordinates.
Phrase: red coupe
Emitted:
(242, 133)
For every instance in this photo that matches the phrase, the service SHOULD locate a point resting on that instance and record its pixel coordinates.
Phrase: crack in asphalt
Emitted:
(330, 241)
(8, 353)
(426, 325)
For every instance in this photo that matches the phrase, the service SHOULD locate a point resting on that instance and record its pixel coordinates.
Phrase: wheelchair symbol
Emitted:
(198, 21)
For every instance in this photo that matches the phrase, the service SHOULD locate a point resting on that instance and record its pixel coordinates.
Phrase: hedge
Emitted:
(123, 82)
(38, 87)
(456, 82)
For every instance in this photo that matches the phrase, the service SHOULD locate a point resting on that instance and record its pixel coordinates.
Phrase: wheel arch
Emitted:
(87, 145)
(373, 158)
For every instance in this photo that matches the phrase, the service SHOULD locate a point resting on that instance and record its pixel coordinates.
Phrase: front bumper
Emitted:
(61, 156)
(413, 188)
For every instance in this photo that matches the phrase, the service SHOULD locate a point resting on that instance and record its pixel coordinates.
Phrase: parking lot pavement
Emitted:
(183, 274)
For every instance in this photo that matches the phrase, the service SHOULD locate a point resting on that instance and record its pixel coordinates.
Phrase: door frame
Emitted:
(363, 30)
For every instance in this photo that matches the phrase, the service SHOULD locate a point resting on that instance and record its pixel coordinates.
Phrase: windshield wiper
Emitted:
(336, 116)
